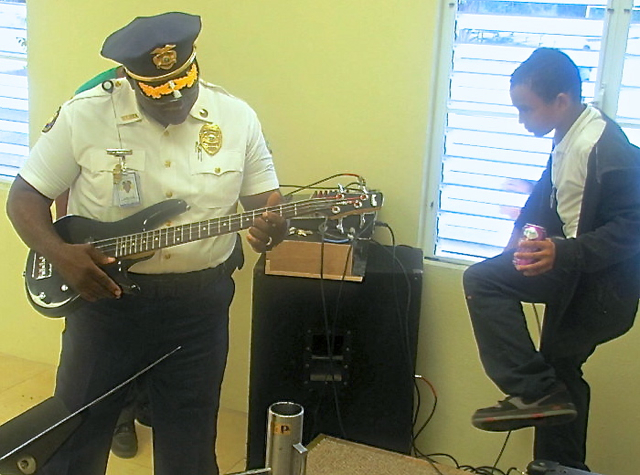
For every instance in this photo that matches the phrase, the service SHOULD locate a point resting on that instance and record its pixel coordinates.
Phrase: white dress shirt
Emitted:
(569, 166)
(168, 161)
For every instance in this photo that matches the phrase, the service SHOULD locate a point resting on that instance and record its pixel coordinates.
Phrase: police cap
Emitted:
(155, 48)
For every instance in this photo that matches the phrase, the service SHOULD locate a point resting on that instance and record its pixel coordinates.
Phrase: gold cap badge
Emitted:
(165, 58)
(211, 138)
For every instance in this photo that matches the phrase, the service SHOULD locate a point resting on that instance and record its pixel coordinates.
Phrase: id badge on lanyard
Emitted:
(126, 183)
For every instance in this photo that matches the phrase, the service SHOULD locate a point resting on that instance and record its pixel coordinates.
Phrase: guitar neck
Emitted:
(149, 241)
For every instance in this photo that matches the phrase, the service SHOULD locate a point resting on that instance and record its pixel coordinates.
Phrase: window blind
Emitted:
(14, 97)
(490, 162)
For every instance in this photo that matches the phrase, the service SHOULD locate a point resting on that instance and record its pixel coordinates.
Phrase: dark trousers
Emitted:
(494, 290)
(106, 342)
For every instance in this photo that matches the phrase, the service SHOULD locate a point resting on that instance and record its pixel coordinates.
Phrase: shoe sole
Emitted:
(124, 455)
(509, 422)
(145, 422)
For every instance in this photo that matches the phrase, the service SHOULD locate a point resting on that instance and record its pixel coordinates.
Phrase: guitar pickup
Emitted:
(42, 269)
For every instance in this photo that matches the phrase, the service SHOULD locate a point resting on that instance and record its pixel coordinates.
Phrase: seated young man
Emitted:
(587, 271)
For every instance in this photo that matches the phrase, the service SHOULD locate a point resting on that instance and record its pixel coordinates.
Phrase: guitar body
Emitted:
(46, 289)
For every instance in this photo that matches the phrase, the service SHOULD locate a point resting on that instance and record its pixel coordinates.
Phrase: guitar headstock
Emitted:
(340, 204)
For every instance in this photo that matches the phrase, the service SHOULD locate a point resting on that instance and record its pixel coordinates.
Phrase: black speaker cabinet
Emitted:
(345, 351)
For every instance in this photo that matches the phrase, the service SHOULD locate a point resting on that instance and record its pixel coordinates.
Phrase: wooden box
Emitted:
(304, 258)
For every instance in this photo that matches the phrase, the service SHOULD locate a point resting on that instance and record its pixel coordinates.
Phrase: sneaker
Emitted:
(515, 412)
(124, 443)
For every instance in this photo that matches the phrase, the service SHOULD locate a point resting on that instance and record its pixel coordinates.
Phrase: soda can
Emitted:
(530, 232)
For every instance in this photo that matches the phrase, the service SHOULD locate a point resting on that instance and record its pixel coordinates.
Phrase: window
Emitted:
(483, 162)
(14, 108)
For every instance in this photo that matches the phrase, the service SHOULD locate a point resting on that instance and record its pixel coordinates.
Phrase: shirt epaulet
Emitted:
(96, 91)
(128, 111)
(216, 88)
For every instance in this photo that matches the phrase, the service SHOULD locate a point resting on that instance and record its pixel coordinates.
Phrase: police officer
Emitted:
(160, 132)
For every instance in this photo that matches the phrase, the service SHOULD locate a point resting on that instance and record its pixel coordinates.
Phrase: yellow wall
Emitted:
(340, 86)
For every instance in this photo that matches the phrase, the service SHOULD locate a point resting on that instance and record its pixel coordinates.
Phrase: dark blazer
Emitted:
(603, 261)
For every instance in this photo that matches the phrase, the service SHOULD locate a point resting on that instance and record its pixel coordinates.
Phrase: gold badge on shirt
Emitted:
(210, 138)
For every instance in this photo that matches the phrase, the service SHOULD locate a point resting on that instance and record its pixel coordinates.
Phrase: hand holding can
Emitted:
(530, 232)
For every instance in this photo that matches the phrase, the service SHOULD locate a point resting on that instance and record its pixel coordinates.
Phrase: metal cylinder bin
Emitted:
(285, 454)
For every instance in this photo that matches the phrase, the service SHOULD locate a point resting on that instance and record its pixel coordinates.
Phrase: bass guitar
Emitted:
(138, 236)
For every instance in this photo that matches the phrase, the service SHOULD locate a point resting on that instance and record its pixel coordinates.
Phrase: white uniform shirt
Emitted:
(168, 162)
(569, 166)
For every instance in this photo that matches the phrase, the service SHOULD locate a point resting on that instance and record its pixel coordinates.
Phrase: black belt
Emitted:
(174, 284)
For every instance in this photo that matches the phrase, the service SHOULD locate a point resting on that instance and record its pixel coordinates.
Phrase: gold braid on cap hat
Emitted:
(169, 87)
(167, 76)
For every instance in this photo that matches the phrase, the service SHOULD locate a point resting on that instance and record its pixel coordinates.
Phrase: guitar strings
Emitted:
(153, 239)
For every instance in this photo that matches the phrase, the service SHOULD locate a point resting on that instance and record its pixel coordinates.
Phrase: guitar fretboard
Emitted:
(149, 241)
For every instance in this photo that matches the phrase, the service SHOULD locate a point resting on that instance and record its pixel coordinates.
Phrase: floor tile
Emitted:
(24, 384)
(24, 395)
(16, 370)
(232, 439)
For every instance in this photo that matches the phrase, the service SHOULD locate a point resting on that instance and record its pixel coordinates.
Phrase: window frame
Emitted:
(608, 81)
(8, 169)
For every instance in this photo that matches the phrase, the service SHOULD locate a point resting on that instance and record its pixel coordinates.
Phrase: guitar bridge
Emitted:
(42, 269)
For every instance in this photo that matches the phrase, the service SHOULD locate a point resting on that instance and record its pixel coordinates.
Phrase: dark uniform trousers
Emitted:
(106, 342)
(494, 290)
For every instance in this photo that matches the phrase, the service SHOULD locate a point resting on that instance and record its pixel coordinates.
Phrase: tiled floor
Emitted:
(24, 383)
